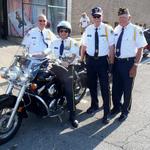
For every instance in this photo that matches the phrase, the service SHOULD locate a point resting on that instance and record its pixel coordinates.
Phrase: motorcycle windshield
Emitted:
(32, 66)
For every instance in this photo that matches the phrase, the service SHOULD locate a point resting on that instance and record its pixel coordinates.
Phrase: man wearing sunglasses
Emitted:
(98, 46)
(65, 49)
(39, 38)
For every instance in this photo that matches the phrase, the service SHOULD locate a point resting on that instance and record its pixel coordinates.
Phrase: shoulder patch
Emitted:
(111, 31)
(75, 44)
(141, 33)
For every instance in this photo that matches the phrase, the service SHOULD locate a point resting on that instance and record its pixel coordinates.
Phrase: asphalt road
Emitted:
(51, 134)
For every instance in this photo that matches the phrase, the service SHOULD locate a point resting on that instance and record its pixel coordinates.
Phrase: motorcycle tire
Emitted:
(5, 112)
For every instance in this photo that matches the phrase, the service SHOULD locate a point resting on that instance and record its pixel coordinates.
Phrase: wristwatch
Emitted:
(136, 64)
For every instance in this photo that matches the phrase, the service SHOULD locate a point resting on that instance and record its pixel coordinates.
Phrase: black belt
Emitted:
(96, 58)
(125, 59)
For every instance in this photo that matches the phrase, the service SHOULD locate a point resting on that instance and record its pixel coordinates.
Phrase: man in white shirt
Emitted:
(39, 38)
(98, 46)
(129, 43)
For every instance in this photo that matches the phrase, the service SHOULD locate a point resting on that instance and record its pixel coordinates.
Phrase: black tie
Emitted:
(61, 48)
(43, 39)
(118, 46)
(96, 43)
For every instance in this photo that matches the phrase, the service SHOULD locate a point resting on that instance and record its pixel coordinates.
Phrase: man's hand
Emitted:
(65, 64)
(133, 71)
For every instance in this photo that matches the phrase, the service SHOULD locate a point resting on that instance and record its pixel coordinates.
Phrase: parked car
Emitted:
(146, 50)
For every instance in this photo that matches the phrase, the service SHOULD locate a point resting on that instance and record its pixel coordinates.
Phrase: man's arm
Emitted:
(111, 55)
(137, 60)
(83, 52)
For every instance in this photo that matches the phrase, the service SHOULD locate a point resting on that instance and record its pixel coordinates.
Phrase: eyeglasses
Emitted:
(96, 16)
(63, 30)
(42, 20)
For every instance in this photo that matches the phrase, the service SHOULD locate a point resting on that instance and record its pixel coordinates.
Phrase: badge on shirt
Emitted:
(33, 37)
(116, 34)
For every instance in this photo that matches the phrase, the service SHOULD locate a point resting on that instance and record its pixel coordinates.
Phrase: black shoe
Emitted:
(105, 120)
(115, 111)
(92, 110)
(72, 119)
(122, 117)
(74, 123)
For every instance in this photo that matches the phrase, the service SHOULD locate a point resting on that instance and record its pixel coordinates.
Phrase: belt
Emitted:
(124, 59)
(96, 58)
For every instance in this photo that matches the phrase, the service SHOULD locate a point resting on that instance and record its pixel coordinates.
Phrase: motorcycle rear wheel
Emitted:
(5, 112)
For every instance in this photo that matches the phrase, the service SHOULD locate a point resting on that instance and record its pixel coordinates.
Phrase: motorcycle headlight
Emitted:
(14, 73)
(3, 71)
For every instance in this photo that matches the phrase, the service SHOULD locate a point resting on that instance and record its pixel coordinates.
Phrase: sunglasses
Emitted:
(96, 16)
(63, 30)
(42, 20)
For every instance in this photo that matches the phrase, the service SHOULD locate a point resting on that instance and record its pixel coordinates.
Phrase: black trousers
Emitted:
(122, 84)
(98, 69)
(66, 79)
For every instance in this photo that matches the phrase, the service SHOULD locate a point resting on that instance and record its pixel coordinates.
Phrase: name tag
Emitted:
(89, 35)
(116, 34)
(55, 47)
(103, 35)
(33, 37)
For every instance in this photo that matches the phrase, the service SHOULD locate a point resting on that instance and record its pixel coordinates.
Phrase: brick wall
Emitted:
(139, 10)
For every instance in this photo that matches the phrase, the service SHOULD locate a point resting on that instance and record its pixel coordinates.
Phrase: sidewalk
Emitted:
(7, 51)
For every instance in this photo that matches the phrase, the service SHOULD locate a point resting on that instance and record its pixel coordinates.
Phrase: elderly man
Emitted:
(129, 42)
(98, 45)
(39, 38)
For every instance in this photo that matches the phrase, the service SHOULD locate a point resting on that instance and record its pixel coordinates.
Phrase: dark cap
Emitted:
(96, 11)
(123, 11)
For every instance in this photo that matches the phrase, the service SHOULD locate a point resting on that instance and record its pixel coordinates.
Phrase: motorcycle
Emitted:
(33, 88)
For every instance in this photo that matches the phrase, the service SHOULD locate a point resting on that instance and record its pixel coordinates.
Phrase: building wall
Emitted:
(139, 11)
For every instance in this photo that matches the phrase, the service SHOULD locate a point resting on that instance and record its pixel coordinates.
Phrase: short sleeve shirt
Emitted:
(70, 47)
(34, 40)
(106, 39)
(133, 39)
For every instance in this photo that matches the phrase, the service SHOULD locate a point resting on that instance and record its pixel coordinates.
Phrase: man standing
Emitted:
(129, 42)
(84, 22)
(98, 44)
(39, 38)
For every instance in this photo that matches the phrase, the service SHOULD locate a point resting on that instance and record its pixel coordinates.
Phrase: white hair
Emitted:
(43, 16)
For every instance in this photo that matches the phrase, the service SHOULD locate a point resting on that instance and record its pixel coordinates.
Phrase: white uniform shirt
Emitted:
(70, 47)
(84, 21)
(34, 40)
(132, 39)
(106, 39)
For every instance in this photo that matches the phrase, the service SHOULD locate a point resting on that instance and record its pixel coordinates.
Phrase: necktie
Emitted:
(96, 43)
(61, 48)
(118, 46)
(43, 39)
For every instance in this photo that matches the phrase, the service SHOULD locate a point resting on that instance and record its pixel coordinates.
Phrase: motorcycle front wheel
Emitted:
(5, 112)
